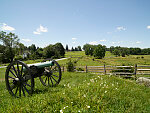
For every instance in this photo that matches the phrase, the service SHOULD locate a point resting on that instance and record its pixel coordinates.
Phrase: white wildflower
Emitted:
(61, 111)
(79, 111)
(84, 95)
(105, 91)
(71, 102)
(88, 106)
(92, 80)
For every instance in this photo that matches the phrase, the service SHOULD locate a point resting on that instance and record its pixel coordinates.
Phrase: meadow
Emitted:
(80, 92)
(83, 92)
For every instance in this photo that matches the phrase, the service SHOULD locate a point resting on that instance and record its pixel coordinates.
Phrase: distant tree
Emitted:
(79, 48)
(39, 52)
(99, 51)
(116, 52)
(49, 51)
(59, 49)
(10, 41)
(76, 49)
(32, 48)
(72, 49)
(67, 48)
(89, 49)
(112, 49)
(21, 48)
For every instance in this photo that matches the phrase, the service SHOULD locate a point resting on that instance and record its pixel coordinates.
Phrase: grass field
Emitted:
(80, 92)
(109, 59)
(83, 92)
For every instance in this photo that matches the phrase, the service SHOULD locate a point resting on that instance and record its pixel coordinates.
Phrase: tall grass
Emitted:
(81, 92)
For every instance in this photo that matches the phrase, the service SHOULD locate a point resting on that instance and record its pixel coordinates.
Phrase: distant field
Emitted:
(88, 60)
(109, 59)
(81, 92)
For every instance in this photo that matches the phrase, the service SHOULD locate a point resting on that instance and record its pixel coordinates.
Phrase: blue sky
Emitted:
(123, 23)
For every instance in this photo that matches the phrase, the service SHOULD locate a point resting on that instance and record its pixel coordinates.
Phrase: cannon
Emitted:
(19, 77)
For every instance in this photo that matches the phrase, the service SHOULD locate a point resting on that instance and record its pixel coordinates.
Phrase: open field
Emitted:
(109, 59)
(81, 92)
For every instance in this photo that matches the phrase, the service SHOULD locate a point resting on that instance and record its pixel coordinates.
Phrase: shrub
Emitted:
(70, 66)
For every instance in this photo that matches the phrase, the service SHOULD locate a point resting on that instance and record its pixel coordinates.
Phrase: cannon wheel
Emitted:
(52, 75)
(19, 81)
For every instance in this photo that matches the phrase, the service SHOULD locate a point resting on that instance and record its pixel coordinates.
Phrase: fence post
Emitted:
(86, 70)
(104, 69)
(135, 70)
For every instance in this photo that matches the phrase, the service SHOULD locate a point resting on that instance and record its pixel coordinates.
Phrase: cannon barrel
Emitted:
(42, 64)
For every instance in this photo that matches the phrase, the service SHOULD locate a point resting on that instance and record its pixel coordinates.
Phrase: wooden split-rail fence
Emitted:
(114, 70)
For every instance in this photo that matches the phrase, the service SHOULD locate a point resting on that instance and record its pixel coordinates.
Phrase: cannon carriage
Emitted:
(19, 76)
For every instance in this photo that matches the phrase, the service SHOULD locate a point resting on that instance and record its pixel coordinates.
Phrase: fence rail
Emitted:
(115, 70)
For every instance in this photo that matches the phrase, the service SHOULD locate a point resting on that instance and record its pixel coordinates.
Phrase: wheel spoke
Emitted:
(26, 89)
(18, 69)
(16, 91)
(13, 73)
(23, 91)
(27, 84)
(51, 80)
(15, 70)
(55, 75)
(11, 77)
(48, 80)
(45, 80)
(21, 70)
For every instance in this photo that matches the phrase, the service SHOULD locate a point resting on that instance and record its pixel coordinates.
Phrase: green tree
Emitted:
(59, 50)
(32, 48)
(99, 51)
(10, 41)
(89, 49)
(79, 48)
(49, 51)
(72, 49)
(67, 48)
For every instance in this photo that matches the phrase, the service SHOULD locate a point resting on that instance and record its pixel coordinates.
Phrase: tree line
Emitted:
(11, 48)
(123, 51)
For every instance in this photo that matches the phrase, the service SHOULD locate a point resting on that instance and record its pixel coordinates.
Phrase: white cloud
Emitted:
(5, 27)
(116, 42)
(26, 40)
(40, 30)
(73, 42)
(93, 43)
(103, 40)
(148, 27)
(74, 38)
(138, 42)
(121, 28)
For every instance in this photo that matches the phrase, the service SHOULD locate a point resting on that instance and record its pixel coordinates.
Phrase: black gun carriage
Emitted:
(19, 76)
